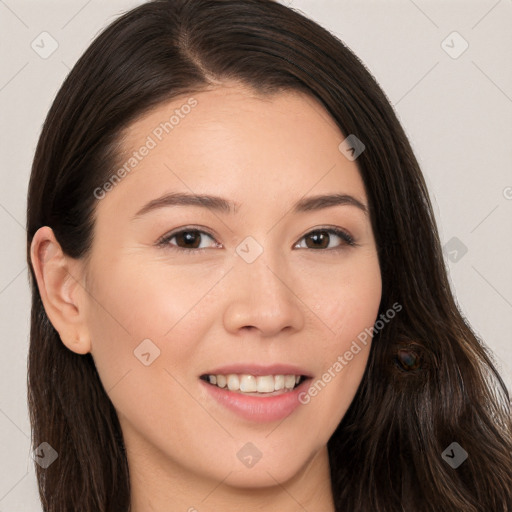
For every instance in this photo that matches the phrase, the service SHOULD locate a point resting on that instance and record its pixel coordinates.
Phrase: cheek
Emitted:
(145, 318)
(138, 301)
(154, 401)
(346, 298)
(126, 320)
(348, 307)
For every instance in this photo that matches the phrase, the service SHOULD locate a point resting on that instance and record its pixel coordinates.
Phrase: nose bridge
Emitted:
(261, 295)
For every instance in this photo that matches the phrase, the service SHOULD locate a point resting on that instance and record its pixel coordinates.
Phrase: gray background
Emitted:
(456, 110)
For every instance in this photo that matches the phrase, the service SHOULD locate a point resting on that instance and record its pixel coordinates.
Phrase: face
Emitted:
(256, 288)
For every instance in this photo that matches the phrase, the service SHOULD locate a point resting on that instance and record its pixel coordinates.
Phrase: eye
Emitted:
(321, 239)
(187, 239)
(192, 239)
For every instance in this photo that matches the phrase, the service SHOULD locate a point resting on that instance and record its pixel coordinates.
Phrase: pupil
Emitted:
(319, 237)
(190, 236)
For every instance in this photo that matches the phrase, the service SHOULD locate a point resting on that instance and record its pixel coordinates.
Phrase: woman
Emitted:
(239, 295)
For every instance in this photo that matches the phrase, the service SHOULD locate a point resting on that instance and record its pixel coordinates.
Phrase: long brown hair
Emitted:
(385, 455)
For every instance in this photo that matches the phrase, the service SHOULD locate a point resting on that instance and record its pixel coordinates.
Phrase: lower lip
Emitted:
(254, 408)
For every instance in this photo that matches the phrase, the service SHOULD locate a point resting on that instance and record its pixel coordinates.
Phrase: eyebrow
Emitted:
(222, 205)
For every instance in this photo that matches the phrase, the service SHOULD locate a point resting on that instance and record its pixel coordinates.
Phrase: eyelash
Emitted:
(347, 239)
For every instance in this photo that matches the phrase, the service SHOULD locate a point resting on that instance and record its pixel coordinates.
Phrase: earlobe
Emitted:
(60, 290)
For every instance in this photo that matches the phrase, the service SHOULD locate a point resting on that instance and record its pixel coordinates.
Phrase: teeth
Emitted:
(233, 383)
(266, 384)
(250, 384)
(289, 381)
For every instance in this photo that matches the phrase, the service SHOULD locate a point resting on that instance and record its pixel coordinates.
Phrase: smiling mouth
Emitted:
(260, 385)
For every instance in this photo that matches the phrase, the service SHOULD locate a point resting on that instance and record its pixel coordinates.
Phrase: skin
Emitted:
(295, 305)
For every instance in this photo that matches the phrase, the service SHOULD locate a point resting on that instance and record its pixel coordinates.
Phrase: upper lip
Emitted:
(258, 369)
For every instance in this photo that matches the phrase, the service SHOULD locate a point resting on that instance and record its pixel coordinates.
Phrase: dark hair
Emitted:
(385, 455)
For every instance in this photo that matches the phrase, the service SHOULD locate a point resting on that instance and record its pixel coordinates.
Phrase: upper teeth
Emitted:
(250, 383)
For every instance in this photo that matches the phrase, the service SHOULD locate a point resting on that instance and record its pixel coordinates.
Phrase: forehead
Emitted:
(234, 142)
(230, 108)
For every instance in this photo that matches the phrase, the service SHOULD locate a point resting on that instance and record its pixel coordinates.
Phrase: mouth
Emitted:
(255, 385)
(257, 393)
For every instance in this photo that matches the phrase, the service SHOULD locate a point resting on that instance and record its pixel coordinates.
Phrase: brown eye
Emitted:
(322, 239)
(319, 239)
(190, 239)
(186, 239)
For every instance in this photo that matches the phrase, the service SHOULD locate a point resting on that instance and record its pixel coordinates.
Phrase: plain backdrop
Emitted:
(444, 65)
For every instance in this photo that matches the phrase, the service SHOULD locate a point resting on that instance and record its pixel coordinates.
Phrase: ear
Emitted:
(60, 282)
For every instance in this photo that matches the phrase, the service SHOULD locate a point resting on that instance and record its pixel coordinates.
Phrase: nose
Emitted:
(263, 296)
